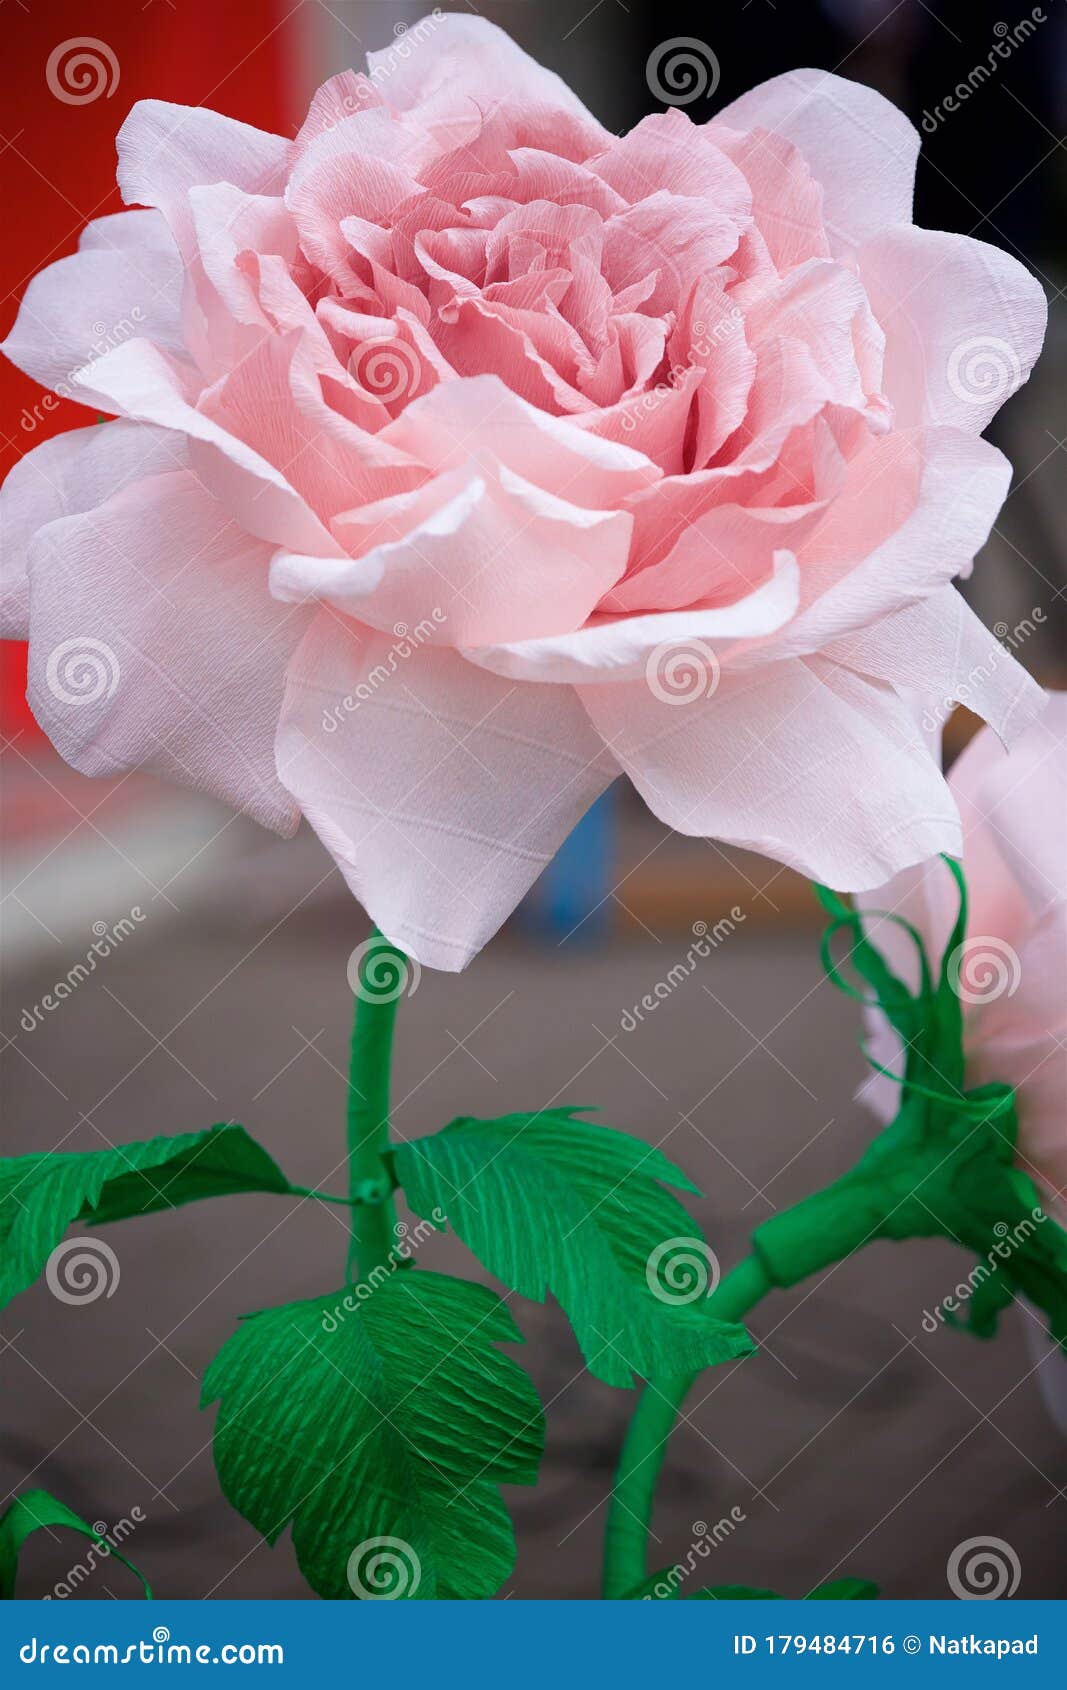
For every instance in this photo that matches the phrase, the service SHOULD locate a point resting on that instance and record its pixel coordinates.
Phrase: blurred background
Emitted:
(855, 1441)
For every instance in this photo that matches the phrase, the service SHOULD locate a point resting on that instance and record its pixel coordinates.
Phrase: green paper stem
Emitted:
(944, 1167)
(330, 1196)
(370, 1181)
(630, 1510)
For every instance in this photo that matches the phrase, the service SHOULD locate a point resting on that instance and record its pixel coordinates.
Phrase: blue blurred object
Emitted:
(571, 900)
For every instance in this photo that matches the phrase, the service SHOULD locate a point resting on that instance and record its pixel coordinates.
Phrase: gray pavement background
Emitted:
(854, 1442)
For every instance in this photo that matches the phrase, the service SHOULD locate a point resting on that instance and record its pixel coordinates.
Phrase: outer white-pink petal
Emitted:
(124, 281)
(155, 643)
(963, 322)
(803, 761)
(451, 64)
(405, 765)
(859, 148)
(940, 649)
(63, 476)
(164, 150)
(1016, 808)
(144, 384)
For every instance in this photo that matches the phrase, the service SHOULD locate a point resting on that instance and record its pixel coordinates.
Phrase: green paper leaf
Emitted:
(38, 1510)
(40, 1196)
(378, 1421)
(550, 1202)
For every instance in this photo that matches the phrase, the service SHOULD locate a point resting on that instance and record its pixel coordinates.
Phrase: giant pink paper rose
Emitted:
(1011, 970)
(469, 454)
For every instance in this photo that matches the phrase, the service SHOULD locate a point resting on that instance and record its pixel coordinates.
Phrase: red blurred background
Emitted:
(243, 57)
(233, 1001)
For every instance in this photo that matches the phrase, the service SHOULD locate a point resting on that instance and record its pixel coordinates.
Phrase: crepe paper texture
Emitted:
(41, 1195)
(38, 1510)
(1012, 964)
(383, 1413)
(550, 1202)
(379, 1419)
(396, 1423)
(944, 1167)
(398, 405)
(458, 418)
